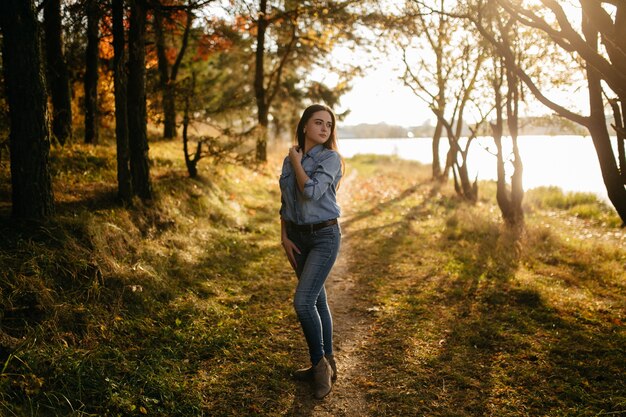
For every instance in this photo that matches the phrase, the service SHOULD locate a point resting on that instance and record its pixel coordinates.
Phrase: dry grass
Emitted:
(183, 307)
(474, 319)
(158, 309)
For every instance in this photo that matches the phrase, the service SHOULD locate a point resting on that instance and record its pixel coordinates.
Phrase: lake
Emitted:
(568, 162)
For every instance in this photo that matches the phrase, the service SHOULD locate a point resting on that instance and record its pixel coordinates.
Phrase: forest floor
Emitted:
(183, 307)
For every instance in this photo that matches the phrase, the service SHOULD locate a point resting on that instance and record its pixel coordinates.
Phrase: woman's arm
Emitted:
(295, 155)
(312, 188)
(288, 245)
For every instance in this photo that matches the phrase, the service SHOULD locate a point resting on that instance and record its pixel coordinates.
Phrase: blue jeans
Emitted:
(319, 250)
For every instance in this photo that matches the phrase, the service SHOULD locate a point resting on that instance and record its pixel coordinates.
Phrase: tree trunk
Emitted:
(465, 189)
(58, 77)
(451, 156)
(137, 118)
(502, 193)
(91, 72)
(259, 84)
(167, 90)
(191, 163)
(620, 39)
(469, 189)
(517, 185)
(509, 201)
(512, 119)
(462, 184)
(620, 133)
(169, 111)
(29, 139)
(436, 140)
(167, 75)
(124, 185)
(599, 132)
(621, 141)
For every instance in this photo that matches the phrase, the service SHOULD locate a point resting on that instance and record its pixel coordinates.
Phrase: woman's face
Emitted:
(318, 128)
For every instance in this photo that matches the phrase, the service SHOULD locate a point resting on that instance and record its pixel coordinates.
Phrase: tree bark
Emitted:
(469, 188)
(29, 139)
(137, 117)
(58, 77)
(497, 128)
(124, 185)
(167, 75)
(169, 111)
(509, 200)
(512, 119)
(436, 140)
(167, 91)
(259, 84)
(450, 156)
(91, 72)
(598, 130)
(620, 133)
(621, 141)
(191, 163)
(462, 184)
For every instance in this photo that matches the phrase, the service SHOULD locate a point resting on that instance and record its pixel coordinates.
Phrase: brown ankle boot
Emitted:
(333, 366)
(322, 373)
(304, 374)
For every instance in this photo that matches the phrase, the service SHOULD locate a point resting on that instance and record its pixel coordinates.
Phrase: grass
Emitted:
(581, 205)
(182, 307)
(157, 309)
(475, 319)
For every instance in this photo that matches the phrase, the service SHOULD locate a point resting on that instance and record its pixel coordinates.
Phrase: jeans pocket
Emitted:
(328, 232)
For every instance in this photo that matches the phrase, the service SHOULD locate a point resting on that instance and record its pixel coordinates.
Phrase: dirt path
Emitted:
(351, 330)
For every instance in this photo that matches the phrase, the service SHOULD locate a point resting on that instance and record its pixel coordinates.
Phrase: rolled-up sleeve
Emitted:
(285, 181)
(324, 175)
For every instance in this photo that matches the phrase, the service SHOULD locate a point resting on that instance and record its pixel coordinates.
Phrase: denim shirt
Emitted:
(318, 202)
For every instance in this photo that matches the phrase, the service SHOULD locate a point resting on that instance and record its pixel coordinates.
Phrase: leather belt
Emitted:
(312, 227)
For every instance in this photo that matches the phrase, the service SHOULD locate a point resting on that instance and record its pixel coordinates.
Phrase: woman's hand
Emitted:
(295, 155)
(290, 248)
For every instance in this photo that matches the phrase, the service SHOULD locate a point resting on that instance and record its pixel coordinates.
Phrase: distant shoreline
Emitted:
(556, 135)
(529, 126)
(580, 171)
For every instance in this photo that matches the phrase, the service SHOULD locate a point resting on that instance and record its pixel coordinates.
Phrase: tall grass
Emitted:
(111, 310)
(182, 306)
(473, 318)
(582, 205)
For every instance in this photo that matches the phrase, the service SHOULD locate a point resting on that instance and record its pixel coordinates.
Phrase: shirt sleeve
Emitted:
(283, 174)
(324, 175)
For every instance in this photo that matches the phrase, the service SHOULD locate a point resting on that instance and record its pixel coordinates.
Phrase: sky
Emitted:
(380, 96)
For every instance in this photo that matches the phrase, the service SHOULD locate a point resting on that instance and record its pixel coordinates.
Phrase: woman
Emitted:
(311, 236)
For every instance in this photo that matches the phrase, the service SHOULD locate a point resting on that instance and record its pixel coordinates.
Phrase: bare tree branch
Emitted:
(505, 51)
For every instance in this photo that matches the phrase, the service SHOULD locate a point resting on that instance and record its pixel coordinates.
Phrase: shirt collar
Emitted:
(315, 150)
